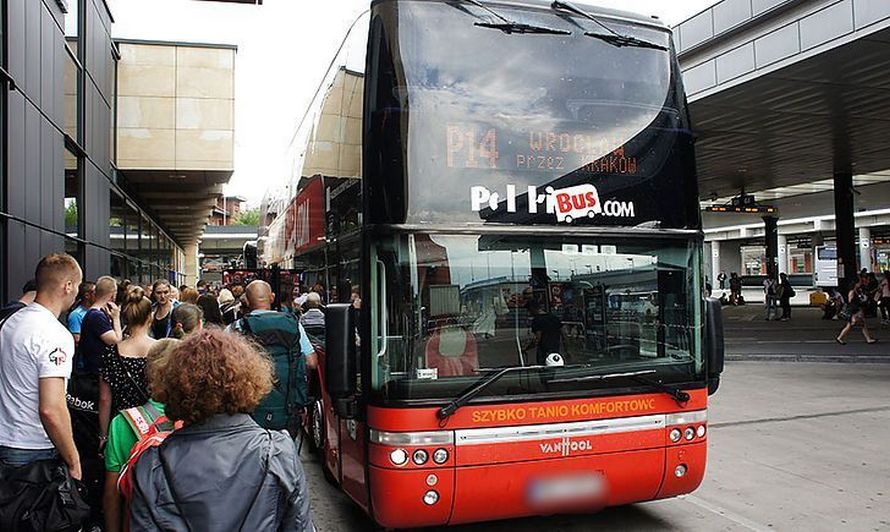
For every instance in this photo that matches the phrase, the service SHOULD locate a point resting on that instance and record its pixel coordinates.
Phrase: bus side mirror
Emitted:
(339, 365)
(713, 342)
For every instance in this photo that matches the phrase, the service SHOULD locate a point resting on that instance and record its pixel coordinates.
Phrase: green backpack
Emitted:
(279, 335)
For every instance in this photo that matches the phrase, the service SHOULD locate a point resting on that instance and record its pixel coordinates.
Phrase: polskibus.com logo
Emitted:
(567, 204)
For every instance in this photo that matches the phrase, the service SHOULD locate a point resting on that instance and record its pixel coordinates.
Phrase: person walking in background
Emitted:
(872, 285)
(735, 289)
(785, 292)
(856, 299)
(122, 384)
(187, 318)
(721, 278)
(123, 288)
(188, 294)
(130, 426)
(884, 295)
(770, 294)
(312, 319)
(228, 306)
(86, 297)
(29, 292)
(36, 355)
(251, 480)
(101, 326)
(210, 306)
(547, 330)
(161, 324)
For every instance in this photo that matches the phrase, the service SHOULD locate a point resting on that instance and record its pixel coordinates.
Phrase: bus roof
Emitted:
(604, 12)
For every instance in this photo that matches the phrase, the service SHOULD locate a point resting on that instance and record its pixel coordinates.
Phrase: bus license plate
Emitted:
(568, 490)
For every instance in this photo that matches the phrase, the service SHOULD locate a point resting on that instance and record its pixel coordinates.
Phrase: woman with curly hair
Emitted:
(221, 471)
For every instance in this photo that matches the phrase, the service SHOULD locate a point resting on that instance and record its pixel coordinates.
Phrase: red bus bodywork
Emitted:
(499, 453)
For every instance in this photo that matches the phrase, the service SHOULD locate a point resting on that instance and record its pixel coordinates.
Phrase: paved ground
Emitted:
(805, 337)
(792, 447)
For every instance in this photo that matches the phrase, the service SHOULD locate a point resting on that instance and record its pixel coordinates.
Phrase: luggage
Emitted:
(41, 496)
(279, 335)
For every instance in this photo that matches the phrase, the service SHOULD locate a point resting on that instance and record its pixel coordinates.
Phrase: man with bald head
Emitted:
(36, 353)
(259, 295)
(287, 344)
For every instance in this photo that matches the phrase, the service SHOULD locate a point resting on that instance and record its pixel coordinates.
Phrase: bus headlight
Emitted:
(420, 457)
(700, 432)
(680, 471)
(689, 433)
(440, 456)
(431, 497)
(676, 435)
(399, 457)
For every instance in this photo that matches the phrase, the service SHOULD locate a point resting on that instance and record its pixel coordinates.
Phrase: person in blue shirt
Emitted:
(86, 297)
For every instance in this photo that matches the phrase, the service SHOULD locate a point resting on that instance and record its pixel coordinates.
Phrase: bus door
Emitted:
(344, 282)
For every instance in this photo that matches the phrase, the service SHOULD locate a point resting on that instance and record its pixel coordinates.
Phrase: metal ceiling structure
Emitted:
(789, 95)
(182, 200)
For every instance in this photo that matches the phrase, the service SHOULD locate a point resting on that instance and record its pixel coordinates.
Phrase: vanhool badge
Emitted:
(568, 204)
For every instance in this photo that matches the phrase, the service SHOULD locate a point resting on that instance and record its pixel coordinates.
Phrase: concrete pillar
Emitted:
(845, 228)
(191, 263)
(865, 248)
(771, 232)
(783, 254)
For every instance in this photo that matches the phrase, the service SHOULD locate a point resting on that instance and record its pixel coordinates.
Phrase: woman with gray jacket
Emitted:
(221, 471)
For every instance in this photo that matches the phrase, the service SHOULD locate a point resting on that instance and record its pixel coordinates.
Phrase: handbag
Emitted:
(41, 496)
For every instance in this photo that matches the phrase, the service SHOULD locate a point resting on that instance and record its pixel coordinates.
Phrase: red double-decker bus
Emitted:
(509, 241)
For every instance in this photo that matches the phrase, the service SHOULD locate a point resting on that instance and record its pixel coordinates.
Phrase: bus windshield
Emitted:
(454, 307)
(488, 127)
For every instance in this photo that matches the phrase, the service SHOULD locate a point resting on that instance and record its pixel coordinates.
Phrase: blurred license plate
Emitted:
(578, 488)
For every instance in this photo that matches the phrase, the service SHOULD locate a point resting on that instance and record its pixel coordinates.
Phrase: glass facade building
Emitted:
(60, 188)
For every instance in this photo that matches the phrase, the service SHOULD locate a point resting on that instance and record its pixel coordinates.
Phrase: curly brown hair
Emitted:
(213, 372)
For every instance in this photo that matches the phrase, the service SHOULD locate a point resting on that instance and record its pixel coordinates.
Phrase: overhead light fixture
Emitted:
(178, 176)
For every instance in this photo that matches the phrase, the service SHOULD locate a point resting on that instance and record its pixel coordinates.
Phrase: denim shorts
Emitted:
(18, 457)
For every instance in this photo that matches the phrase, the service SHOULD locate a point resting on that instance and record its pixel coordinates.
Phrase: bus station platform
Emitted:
(806, 337)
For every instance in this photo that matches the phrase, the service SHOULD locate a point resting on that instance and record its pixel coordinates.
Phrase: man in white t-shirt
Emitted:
(36, 353)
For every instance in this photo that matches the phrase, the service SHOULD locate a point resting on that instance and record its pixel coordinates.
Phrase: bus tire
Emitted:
(317, 427)
(328, 476)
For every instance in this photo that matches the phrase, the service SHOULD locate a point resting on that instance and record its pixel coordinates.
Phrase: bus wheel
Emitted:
(316, 426)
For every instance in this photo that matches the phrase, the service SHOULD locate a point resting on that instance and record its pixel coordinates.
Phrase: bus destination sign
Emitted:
(478, 147)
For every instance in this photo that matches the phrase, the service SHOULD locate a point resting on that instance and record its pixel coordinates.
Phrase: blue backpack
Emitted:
(279, 335)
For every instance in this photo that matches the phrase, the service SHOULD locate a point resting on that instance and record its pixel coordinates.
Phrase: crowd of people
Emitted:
(128, 386)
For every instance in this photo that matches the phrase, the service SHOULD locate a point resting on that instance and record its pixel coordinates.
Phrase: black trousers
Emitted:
(786, 307)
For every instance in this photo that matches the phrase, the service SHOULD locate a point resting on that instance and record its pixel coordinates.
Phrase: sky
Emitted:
(284, 48)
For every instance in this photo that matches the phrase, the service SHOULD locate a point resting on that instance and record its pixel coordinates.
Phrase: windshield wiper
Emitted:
(464, 398)
(519, 27)
(677, 394)
(625, 40)
(614, 38)
(511, 26)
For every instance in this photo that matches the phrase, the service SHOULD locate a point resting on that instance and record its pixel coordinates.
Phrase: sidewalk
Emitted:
(755, 295)
(804, 338)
